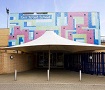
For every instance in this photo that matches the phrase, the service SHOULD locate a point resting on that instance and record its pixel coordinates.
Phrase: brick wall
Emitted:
(1, 63)
(4, 35)
(20, 62)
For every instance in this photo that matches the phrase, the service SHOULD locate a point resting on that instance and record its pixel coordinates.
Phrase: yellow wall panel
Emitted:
(4, 33)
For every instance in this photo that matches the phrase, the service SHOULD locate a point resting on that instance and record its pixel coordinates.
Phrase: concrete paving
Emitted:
(59, 80)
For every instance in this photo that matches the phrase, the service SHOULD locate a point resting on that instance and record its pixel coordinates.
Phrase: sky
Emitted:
(18, 6)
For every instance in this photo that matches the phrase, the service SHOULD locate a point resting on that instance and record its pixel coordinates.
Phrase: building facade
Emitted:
(77, 26)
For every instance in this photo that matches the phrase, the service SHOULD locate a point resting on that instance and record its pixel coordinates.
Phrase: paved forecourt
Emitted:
(59, 80)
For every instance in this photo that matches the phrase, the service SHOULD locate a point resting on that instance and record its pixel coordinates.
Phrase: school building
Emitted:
(80, 27)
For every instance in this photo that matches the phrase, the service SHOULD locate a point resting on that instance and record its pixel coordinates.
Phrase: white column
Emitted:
(80, 75)
(15, 77)
(48, 75)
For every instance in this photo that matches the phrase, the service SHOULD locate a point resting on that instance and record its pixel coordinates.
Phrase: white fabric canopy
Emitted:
(55, 42)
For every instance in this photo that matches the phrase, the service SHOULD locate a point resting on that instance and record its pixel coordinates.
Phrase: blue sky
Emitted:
(16, 6)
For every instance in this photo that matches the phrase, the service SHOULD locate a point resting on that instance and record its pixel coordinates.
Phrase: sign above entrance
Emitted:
(29, 17)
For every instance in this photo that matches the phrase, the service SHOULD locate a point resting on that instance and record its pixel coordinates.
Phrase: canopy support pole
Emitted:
(48, 71)
(49, 59)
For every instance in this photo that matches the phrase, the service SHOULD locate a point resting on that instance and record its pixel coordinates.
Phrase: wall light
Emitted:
(11, 57)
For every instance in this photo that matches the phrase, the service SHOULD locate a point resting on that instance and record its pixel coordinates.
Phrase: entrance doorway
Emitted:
(56, 59)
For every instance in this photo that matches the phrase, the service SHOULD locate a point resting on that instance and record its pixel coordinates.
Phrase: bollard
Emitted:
(15, 77)
(80, 75)
(48, 75)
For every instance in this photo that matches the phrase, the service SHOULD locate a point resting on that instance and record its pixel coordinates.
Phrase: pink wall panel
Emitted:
(38, 33)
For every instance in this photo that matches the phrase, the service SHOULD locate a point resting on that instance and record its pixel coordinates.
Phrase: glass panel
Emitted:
(40, 59)
(46, 59)
(60, 60)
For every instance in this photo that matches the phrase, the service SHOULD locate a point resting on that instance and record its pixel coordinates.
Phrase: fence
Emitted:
(90, 63)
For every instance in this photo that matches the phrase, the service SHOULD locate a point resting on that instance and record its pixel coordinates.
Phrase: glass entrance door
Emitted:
(56, 60)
